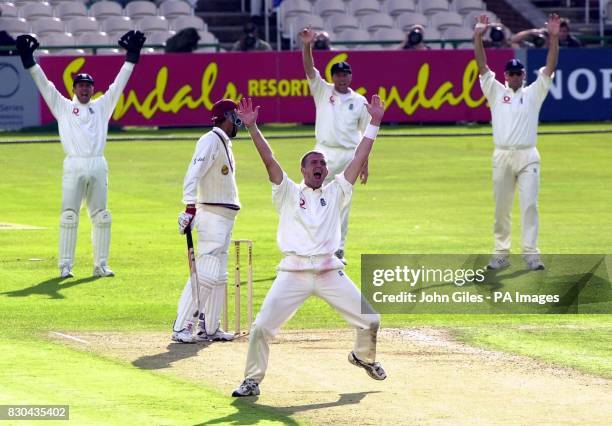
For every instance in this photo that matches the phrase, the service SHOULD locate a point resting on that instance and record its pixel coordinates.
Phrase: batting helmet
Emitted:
(83, 77)
(223, 109)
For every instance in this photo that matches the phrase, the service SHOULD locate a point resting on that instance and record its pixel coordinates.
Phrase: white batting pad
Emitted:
(206, 266)
(69, 222)
(101, 237)
(213, 306)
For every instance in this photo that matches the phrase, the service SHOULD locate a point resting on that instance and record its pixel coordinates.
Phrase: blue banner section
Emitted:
(19, 100)
(582, 88)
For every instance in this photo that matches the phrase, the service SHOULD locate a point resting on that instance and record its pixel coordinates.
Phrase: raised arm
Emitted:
(376, 109)
(307, 35)
(248, 115)
(479, 52)
(132, 42)
(553, 24)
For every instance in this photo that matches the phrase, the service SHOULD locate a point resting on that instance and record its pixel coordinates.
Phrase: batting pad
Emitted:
(213, 306)
(207, 268)
(69, 222)
(101, 236)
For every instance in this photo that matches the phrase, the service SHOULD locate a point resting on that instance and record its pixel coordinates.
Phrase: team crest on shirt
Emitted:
(91, 111)
(351, 107)
(506, 99)
(302, 203)
(332, 100)
(323, 202)
(75, 111)
(224, 169)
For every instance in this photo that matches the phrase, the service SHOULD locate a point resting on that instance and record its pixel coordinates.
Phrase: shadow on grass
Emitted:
(49, 287)
(175, 352)
(249, 412)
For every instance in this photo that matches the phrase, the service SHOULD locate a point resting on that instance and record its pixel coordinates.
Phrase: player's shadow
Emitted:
(175, 352)
(245, 415)
(51, 287)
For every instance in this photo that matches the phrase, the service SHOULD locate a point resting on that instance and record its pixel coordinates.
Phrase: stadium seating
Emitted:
(9, 10)
(397, 7)
(105, 9)
(44, 26)
(458, 33)
(158, 37)
(152, 23)
(432, 34)
(339, 23)
(61, 40)
(375, 21)
(354, 35)
(69, 10)
(207, 38)
(97, 39)
(57, 2)
(295, 24)
(388, 34)
(78, 26)
(443, 20)
(140, 8)
(181, 22)
(430, 7)
(116, 26)
(32, 11)
(326, 8)
(466, 6)
(289, 8)
(14, 26)
(407, 20)
(469, 20)
(364, 7)
(174, 8)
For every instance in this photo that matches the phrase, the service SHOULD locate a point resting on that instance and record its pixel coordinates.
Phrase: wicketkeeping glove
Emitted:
(26, 45)
(185, 218)
(132, 41)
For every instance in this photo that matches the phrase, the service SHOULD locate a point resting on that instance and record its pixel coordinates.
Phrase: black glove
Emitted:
(26, 45)
(132, 41)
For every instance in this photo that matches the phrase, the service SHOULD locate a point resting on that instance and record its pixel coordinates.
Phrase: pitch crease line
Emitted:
(76, 339)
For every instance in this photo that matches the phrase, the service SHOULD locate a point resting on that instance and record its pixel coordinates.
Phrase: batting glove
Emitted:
(132, 42)
(26, 45)
(185, 218)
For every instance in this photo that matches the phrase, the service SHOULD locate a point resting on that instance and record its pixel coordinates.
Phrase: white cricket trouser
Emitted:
(288, 292)
(84, 178)
(510, 168)
(337, 160)
(214, 235)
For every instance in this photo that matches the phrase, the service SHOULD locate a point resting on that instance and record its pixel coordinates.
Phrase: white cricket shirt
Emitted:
(82, 127)
(515, 114)
(211, 175)
(341, 118)
(310, 219)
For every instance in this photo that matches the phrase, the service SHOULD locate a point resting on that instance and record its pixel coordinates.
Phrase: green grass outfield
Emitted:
(425, 195)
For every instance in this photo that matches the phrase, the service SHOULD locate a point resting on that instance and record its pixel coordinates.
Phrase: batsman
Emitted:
(210, 195)
(83, 127)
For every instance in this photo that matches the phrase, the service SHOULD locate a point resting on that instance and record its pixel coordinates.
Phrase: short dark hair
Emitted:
(564, 23)
(308, 154)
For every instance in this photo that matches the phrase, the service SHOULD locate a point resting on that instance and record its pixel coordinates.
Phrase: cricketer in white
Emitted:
(83, 128)
(308, 235)
(340, 121)
(210, 183)
(516, 160)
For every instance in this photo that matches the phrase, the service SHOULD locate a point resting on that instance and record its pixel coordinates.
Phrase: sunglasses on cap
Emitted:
(514, 73)
(233, 118)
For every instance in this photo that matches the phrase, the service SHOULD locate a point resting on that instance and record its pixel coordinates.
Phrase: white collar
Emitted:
(220, 132)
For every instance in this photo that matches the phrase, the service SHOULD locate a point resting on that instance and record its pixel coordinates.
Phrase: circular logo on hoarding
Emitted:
(9, 80)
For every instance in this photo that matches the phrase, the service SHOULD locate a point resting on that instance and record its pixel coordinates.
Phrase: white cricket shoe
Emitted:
(220, 336)
(498, 261)
(534, 263)
(66, 272)
(248, 388)
(374, 370)
(103, 271)
(183, 336)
